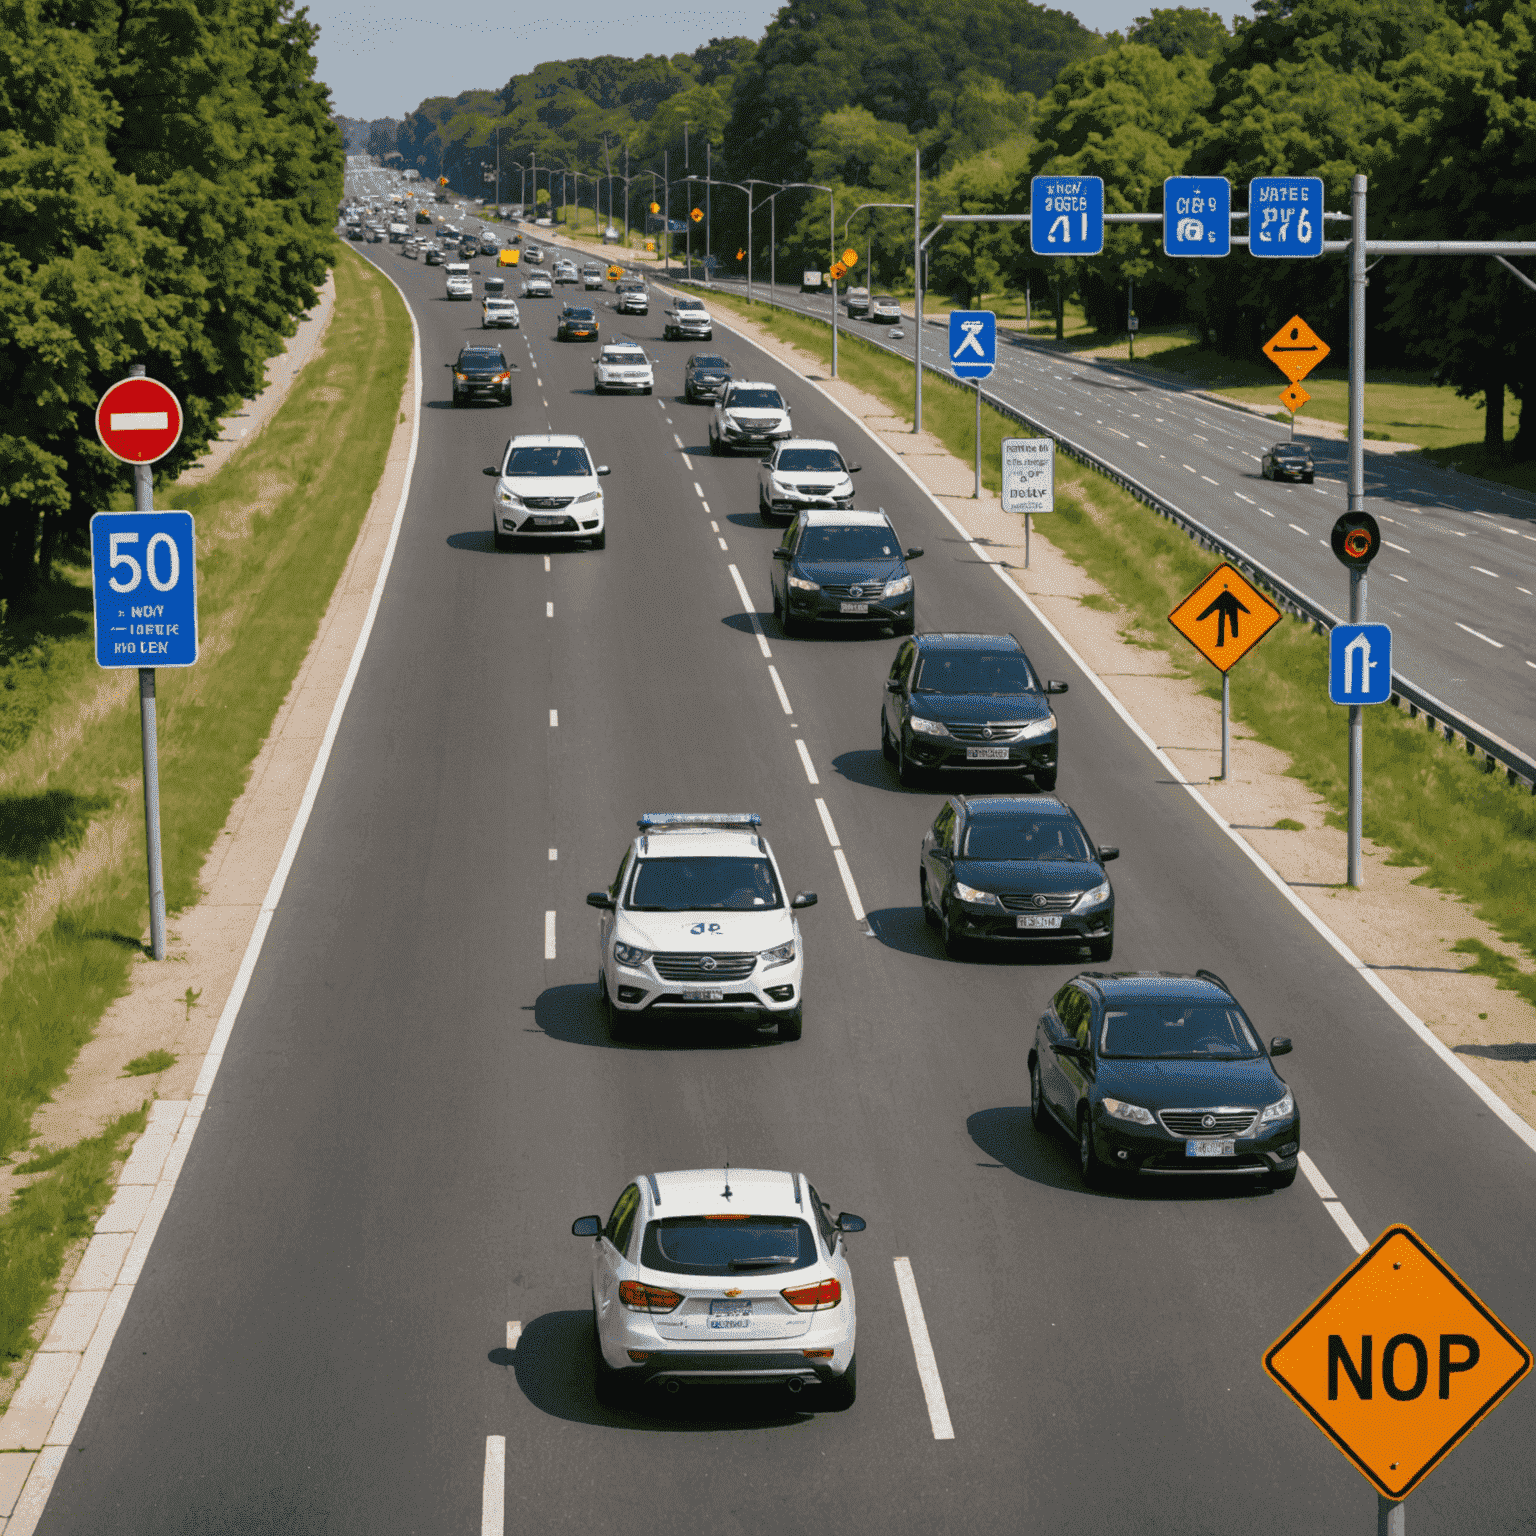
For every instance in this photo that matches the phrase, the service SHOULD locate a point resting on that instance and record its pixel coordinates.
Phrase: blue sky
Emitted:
(381, 60)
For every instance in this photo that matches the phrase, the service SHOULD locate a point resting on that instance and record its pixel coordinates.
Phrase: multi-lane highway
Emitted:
(1456, 581)
(419, 1094)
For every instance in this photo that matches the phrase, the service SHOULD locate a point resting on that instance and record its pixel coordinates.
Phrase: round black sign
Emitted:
(1356, 540)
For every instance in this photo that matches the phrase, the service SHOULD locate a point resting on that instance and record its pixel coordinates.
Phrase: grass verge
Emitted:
(1425, 799)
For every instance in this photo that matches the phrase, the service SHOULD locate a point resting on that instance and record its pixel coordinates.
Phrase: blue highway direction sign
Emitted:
(1360, 663)
(1285, 216)
(1066, 215)
(972, 343)
(1197, 216)
(144, 576)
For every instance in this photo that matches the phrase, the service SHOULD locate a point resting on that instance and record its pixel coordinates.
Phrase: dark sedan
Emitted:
(482, 373)
(1287, 461)
(704, 375)
(968, 702)
(843, 567)
(577, 324)
(1015, 869)
(1155, 1073)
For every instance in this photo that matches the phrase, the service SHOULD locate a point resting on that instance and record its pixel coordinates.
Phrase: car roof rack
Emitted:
(1211, 976)
(662, 821)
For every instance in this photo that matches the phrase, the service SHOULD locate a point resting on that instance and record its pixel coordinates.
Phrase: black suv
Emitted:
(1155, 1073)
(482, 373)
(705, 374)
(577, 324)
(1287, 461)
(970, 702)
(843, 567)
(1015, 868)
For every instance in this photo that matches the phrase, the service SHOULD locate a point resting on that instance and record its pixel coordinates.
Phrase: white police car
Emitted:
(719, 1277)
(698, 921)
(622, 366)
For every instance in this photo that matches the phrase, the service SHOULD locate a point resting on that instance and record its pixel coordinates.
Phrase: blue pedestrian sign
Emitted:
(972, 343)
(1197, 216)
(1285, 216)
(1066, 215)
(1360, 663)
(144, 575)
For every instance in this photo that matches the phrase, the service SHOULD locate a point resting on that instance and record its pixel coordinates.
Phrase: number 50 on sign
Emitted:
(144, 574)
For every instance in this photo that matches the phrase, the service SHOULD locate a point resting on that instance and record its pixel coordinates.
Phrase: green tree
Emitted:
(1184, 29)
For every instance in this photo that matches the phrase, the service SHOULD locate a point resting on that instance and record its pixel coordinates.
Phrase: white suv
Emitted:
(547, 485)
(748, 414)
(803, 472)
(723, 1276)
(688, 320)
(698, 921)
(457, 283)
(498, 311)
(622, 366)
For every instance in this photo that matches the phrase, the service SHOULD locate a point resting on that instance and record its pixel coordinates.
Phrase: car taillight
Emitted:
(649, 1298)
(812, 1298)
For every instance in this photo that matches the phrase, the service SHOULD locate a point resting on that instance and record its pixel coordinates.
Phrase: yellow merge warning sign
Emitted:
(1225, 617)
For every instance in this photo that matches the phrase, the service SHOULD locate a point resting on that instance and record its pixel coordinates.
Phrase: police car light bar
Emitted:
(660, 820)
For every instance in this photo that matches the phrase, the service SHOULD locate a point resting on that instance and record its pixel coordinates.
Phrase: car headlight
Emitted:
(503, 378)
(629, 954)
(1123, 1111)
(507, 499)
(459, 376)
(1281, 1109)
(1096, 897)
(1038, 728)
(589, 496)
(800, 584)
(780, 954)
(900, 585)
(978, 898)
(925, 727)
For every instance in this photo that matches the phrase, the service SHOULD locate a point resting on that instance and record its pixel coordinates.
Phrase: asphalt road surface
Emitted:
(419, 1095)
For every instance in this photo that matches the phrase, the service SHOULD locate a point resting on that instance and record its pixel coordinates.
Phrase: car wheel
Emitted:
(714, 446)
(618, 1024)
(954, 945)
(929, 915)
(792, 1025)
(1281, 1180)
(1306, 479)
(507, 400)
(648, 389)
(906, 626)
(906, 770)
(1101, 950)
(501, 540)
(1039, 1115)
(457, 402)
(887, 751)
(1095, 1174)
(600, 540)
(839, 1394)
(1045, 779)
(608, 1385)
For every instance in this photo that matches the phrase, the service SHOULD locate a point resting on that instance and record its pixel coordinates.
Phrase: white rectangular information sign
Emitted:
(1029, 474)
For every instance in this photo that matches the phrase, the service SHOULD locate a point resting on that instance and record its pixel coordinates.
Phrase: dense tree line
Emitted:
(169, 178)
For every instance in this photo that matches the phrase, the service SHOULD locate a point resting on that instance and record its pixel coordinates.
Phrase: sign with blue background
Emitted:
(1285, 216)
(1197, 216)
(144, 577)
(1360, 663)
(972, 343)
(1066, 215)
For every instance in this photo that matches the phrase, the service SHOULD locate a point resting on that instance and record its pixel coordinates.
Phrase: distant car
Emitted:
(633, 299)
(857, 301)
(1015, 869)
(591, 277)
(533, 254)
(1154, 1073)
(482, 372)
(1288, 461)
(623, 366)
(565, 272)
(577, 323)
(434, 256)
(748, 414)
(547, 486)
(537, 286)
(705, 374)
(457, 281)
(688, 320)
(422, 216)
(842, 567)
(803, 472)
(884, 310)
(494, 286)
(502, 312)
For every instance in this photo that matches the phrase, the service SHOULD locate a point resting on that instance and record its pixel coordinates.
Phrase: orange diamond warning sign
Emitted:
(1293, 397)
(1296, 349)
(1225, 617)
(1397, 1361)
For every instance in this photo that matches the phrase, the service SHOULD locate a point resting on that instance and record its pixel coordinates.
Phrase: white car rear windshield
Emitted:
(727, 884)
(727, 1245)
(529, 463)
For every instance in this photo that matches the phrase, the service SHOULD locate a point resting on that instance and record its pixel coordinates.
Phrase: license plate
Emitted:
(855, 608)
(547, 522)
(708, 995)
(1039, 920)
(986, 754)
(730, 1308)
(1210, 1149)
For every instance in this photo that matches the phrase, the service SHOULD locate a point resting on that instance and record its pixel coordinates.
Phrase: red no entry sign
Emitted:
(138, 421)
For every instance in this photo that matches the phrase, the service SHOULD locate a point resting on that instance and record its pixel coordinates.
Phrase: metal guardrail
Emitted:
(1519, 769)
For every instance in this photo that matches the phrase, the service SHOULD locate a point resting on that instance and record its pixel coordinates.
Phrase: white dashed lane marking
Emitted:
(805, 760)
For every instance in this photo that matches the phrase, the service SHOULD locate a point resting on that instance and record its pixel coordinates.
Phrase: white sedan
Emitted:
(497, 311)
(623, 366)
(803, 472)
(537, 286)
(720, 1276)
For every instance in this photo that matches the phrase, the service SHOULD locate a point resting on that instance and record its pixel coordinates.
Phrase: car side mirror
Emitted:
(847, 1223)
(587, 1226)
(915, 553)
(1280, 1046)
(603, 469)
(893, 685)
(943, 854)
(1106, 854)
(853, 469)
(600, 899)
(781, 553)
(490, 469)
(447, 365)
(1054, 686)
(804, 899)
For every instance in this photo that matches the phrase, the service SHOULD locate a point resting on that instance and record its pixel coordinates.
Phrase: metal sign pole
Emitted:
(917, 289)
(976, 494)
(1026, 541)
(144, 501)
(1390, 1517)
(1357, 287)
(1226, 727)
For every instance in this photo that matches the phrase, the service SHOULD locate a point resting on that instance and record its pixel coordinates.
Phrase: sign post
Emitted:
(144, 581)
(1224, 618)
(1356, 541)
(1397, 1362)
(1029, 479)
(973, 355)
(1295, 349)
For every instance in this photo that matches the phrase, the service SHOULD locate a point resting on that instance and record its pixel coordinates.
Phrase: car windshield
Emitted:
(727, 884)
(709, 362)
(884, 298)
(690, 304)
(860, 542)
(1026, 837)
(614, 355)
(545, 460)
(809, 460)
(1182, 1031)
(482, 360)
(991, 672)
(727, 1245)
(1285, 451)
(756, 400)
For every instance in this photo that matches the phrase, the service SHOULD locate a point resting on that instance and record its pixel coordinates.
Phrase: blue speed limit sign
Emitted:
(144, 578)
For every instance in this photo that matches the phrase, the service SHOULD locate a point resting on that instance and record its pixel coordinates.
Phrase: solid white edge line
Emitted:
(746, 603)
(805, 758)
(549, 935)
(826, 822)
(1352, 1234)
(493, 1487)
(773, 672)
(1321, 1187)
(1491, 1101)
(922, 1350)
(34, 1495)
(849, 888)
